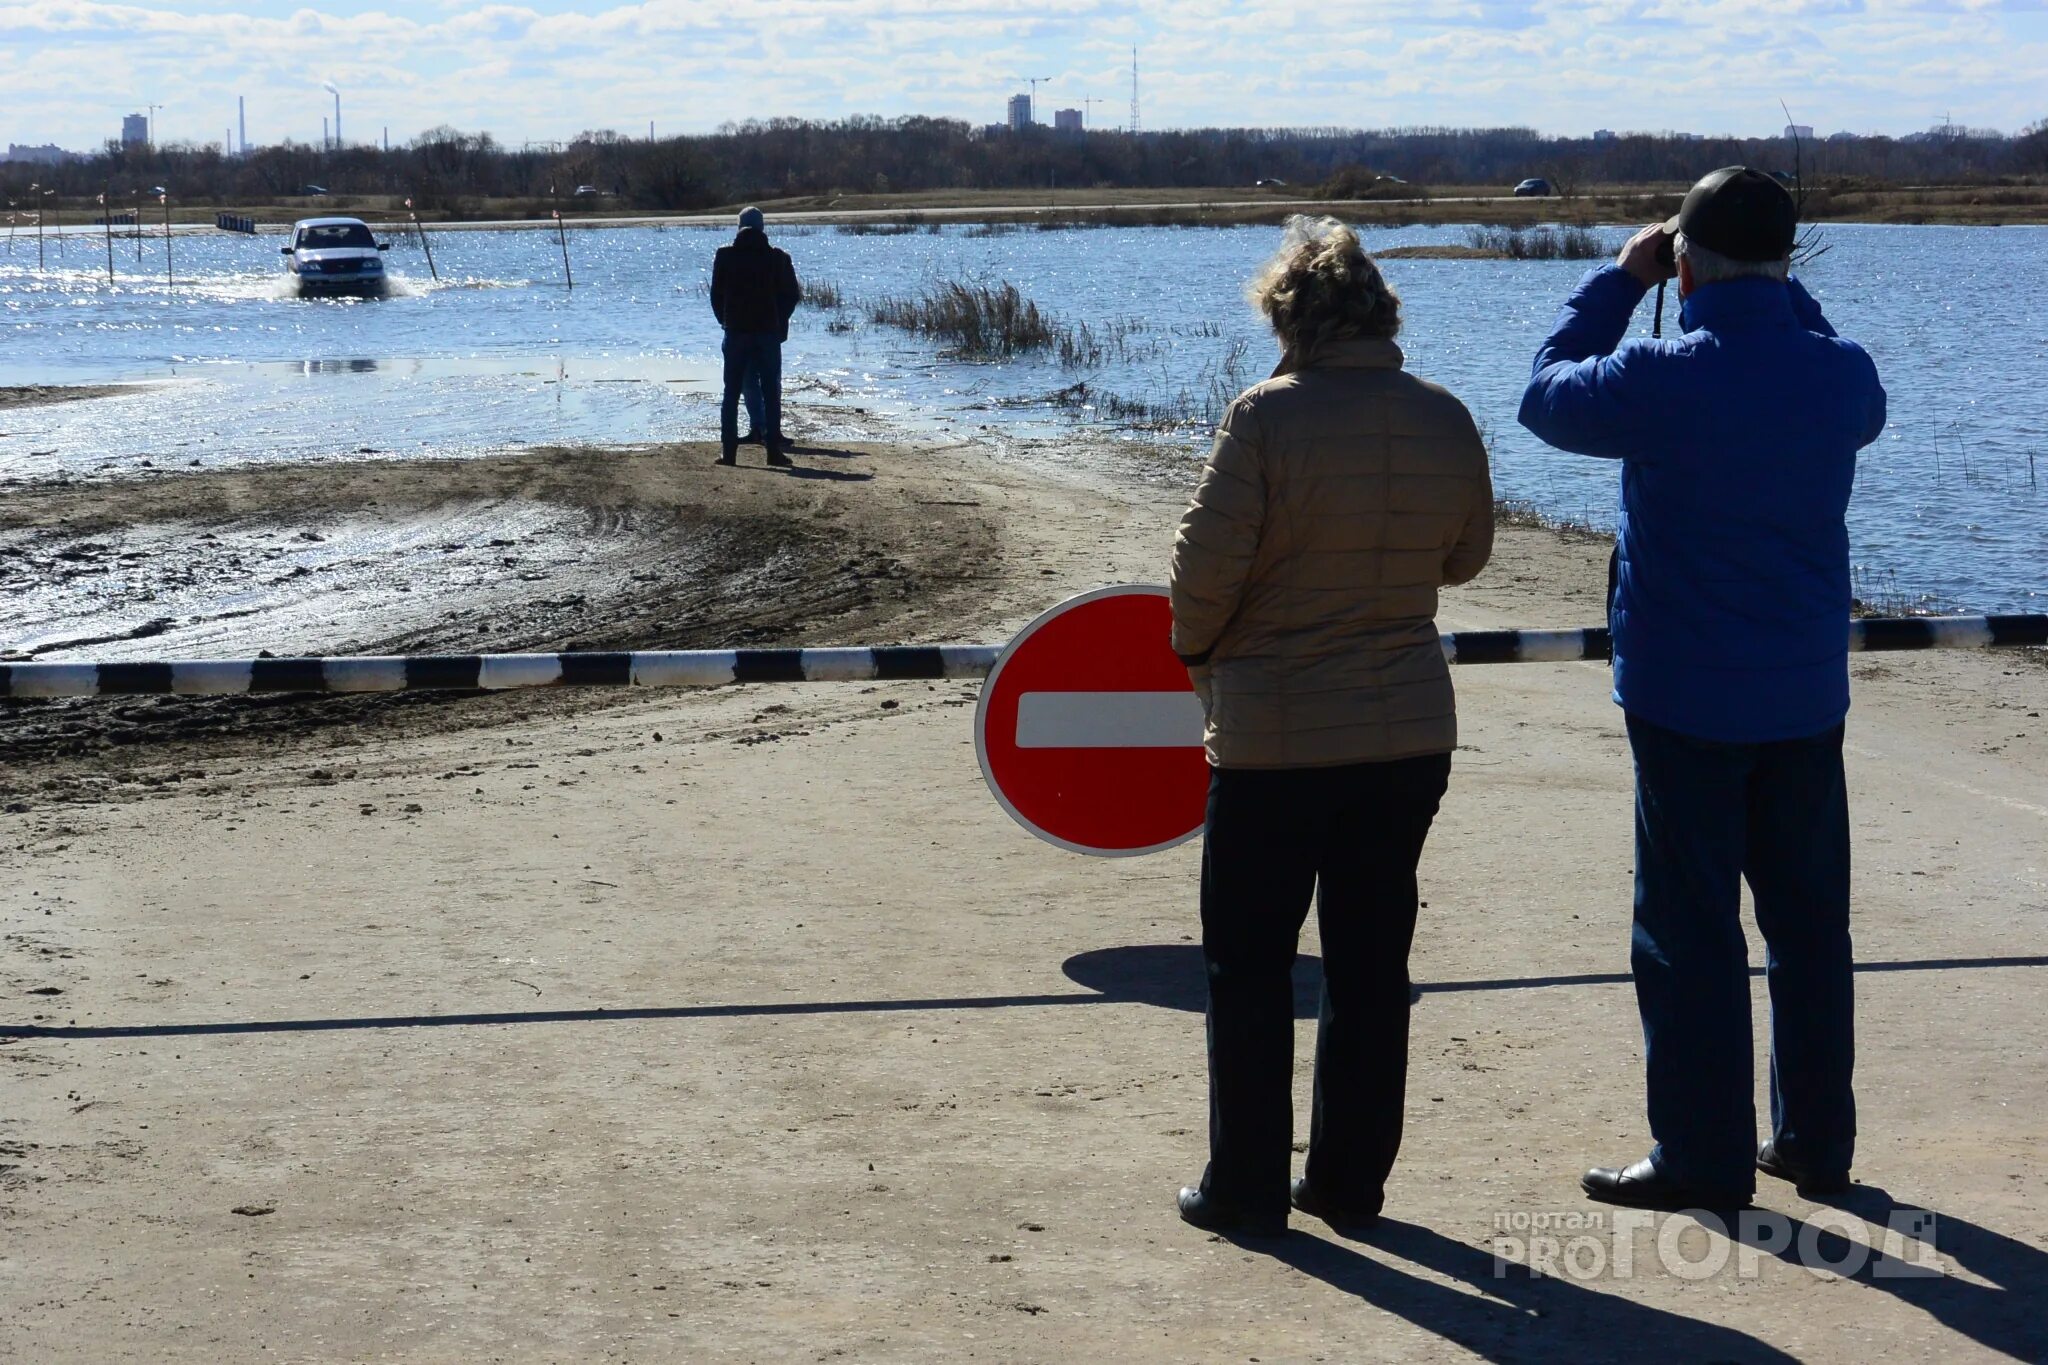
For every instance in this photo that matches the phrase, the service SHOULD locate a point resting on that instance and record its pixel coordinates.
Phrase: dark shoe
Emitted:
(1643, 1186)
(780, 460)
(752, 438)
(1807, 1182)
(1304, 1197)
(730, 457)
(1205, 1213)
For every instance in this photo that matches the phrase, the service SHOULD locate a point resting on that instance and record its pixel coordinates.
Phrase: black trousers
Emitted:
(1350, 837)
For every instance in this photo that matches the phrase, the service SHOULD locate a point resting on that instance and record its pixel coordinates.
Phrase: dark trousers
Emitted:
(1350, 837)
(750, 399)
(1708, 815)
(756, 355)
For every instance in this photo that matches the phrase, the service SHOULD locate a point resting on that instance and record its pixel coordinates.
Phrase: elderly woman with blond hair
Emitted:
(1341, 494)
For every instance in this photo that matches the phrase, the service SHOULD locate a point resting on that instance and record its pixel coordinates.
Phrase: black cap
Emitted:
(1741, 213)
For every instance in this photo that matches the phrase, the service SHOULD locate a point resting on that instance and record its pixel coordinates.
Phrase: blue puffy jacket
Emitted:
(1738, 445)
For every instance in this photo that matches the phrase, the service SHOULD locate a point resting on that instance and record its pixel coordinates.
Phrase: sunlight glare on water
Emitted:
(497, 353)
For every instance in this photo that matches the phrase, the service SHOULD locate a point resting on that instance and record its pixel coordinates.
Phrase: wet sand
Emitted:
(742, 1025)
(541, 549)
(37, 395)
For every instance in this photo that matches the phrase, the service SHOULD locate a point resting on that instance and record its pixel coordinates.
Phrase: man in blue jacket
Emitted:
(1730, 613)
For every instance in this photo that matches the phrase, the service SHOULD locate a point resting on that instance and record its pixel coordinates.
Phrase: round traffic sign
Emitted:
(1089, 732)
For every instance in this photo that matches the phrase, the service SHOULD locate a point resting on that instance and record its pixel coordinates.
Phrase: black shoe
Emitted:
(1303, 1196)
(780, 460)
(1643, 1186)
(1807, 1182)
(752, 438)
(730, 457)
(1205, 1213)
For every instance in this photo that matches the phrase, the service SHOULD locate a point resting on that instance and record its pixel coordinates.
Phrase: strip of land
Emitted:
(38, 395)
(1999, 204)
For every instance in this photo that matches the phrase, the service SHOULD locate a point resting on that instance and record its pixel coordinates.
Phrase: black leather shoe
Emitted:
(1642, 1186)
(1205, 1213)
(752, 438)
(1303, 1196)
(729, 457)
(780, 460)
(1807, 1182)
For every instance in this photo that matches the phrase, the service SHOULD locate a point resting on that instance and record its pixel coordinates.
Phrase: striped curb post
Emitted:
(891, 663)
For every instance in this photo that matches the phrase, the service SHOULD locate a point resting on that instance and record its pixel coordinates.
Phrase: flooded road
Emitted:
(498, 355)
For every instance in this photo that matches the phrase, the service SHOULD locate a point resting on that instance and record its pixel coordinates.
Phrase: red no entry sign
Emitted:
(1090, 734)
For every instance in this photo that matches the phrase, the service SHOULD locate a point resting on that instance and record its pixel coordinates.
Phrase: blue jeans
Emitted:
(755, 356)
(1709, 815)
(750, 398)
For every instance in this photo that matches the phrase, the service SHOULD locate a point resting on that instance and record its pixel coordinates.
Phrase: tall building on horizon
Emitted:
(1020, 112)
(1066, 120)
(135, 130)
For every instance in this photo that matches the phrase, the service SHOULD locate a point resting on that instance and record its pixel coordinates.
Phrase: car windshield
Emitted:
(336, 234)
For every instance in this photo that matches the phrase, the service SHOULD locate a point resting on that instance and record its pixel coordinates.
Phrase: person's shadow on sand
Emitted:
(1516, 1314)
(1521, 1315)
(2010, 1315)
(833, 475)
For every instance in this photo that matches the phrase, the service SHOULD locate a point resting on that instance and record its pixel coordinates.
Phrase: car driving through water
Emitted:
(330, 256)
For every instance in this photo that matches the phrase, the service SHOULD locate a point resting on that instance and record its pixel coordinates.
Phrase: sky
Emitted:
(547, 69)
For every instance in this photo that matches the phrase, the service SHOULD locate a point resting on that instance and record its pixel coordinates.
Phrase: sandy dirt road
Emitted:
(744, 1026)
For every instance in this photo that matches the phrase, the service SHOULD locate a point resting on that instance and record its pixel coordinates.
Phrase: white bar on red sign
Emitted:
(1109, 720)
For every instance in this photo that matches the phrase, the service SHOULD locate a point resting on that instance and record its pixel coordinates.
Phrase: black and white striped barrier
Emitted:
(722, 667)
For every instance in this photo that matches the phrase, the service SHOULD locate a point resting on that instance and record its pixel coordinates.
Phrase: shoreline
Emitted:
(537, 549)
(1991, 205)
(42, 395)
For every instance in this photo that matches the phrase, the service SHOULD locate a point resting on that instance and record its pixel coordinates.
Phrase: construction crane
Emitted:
(152, 122)
(1034, 82)
(1088, 103)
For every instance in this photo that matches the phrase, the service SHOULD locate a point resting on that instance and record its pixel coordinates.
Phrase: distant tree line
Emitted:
(448, 171)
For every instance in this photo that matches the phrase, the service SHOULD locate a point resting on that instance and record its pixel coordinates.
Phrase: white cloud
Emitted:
(546, 68)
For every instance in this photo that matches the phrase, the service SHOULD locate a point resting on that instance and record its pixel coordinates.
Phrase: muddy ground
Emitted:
(35, 395)
(600, 550)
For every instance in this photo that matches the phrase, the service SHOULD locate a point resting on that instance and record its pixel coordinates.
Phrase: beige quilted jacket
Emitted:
(1338, 499)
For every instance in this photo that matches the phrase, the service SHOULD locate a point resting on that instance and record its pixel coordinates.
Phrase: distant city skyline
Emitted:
(544, 70)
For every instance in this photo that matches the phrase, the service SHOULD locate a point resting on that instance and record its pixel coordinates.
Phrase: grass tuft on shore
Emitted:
(976, 321)
(1540, 244)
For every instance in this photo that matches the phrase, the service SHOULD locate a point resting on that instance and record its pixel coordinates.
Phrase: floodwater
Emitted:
(1949, 506)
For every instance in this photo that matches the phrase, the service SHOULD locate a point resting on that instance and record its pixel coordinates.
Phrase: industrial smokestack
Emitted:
(329, 87)
(242, 120)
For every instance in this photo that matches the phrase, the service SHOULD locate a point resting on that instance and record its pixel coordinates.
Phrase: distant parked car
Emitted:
(311, 190)
(582, 190)
(1534, 185)
(1270, 182)
(329, 256)
(1388, 180)
(1782, 178)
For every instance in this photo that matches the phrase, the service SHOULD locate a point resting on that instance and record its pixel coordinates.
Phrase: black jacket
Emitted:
(753, 285)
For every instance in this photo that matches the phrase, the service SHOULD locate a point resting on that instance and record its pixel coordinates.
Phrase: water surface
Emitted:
(498, 353)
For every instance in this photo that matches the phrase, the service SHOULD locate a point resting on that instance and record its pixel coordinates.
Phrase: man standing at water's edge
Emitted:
(1730, 614)
(753, 292)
